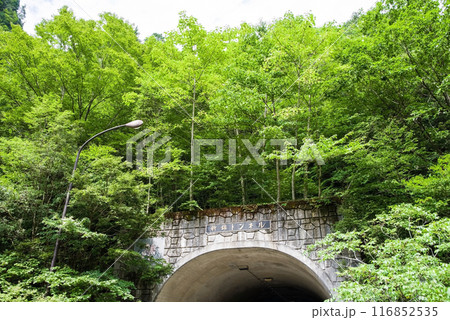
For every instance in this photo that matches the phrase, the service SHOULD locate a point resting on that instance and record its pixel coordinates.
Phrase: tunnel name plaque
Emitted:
(238, 226)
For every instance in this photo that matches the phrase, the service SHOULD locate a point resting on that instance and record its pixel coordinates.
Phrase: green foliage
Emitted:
(433, 192)
(406, 258)
(51, 85)
(26, 279)
(11, 13)
(403, 254)
(147, 271)
(369, 96)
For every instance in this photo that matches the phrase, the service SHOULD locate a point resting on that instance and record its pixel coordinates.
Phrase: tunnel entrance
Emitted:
(244, 274)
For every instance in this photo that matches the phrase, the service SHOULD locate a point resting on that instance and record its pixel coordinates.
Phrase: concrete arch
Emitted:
(218, 272)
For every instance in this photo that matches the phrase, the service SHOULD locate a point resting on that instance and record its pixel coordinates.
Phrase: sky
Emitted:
(161, 16)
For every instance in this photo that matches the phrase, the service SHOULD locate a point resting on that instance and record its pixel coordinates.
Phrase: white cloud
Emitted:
(161, 16)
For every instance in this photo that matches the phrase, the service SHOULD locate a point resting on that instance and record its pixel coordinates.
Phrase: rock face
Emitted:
(288, 228)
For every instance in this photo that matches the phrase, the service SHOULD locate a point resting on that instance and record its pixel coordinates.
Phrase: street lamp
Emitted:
(133, 124)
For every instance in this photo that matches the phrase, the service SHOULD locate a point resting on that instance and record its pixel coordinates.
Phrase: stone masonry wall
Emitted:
(296, 224)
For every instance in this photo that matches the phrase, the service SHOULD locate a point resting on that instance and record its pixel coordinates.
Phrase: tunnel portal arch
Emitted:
(246, 271)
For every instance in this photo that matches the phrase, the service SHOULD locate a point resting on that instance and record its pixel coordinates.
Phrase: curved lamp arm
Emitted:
(133, 124)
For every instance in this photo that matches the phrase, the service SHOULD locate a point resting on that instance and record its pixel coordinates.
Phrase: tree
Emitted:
(403, 254)
(185, 65)
(302, 53)
(57, 88)
(11, 13)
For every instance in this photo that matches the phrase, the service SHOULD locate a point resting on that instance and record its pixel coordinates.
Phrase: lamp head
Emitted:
(134, 124)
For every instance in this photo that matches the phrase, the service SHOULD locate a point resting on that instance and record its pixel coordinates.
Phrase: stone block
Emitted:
(289, 215)
(282, 235)
(302, 234)
(268, 237)
(173, 253)
(298, 214)
(219, 239)
(295, 244)
(226, 234)
(203, 240)
(189, 235)
(307, 226)
(241, 236)
(196, 242)
(275, 235)
(259, 236)
(323, 230)
(186, 251)
(315, 222)
(173, 260)
(175, 233)
(313, 255)
(332, 275)
(292, 232)
(291, 224)
(317, 233)
(192, 224)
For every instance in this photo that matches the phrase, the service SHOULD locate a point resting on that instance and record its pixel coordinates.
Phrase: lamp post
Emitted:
(133, 124)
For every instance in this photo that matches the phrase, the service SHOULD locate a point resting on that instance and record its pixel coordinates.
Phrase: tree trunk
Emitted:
(191, 182)
(264, 146)
(296, 130)
(293, 182)
(305, 184)
(242, 189)
(277, 163)
(241, 176)
(309, 116)
(148, 193)
(320, 180)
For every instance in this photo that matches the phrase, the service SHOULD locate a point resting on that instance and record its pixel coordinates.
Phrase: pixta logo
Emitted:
(150, 143)
(147, 142)
(307, 153)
